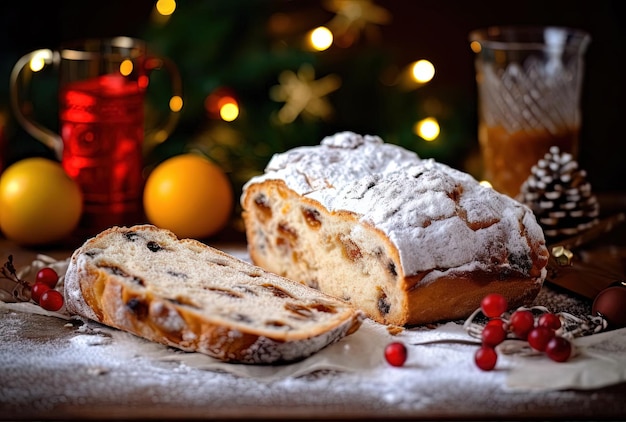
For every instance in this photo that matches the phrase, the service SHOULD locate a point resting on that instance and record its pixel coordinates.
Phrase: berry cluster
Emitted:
(43, 290)
(540, 333)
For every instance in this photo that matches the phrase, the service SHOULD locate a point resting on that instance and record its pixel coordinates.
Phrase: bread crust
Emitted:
(93, 291)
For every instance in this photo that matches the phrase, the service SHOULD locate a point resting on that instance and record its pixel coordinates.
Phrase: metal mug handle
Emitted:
(53, 140)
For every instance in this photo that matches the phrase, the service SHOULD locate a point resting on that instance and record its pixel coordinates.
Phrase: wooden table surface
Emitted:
(38, 380)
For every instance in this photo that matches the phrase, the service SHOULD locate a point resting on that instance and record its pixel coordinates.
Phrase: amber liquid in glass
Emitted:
(102, 126)
(508, 157)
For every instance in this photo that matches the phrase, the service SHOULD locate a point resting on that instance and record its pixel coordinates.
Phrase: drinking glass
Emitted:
(529, 82)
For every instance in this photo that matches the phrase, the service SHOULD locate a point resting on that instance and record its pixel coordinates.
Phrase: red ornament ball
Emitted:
(611, 304)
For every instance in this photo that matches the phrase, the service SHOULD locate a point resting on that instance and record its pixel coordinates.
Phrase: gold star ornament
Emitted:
(352, 17)
(303, 94)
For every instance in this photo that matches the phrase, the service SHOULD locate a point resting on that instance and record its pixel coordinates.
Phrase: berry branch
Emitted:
(42, 291)
(21, 289)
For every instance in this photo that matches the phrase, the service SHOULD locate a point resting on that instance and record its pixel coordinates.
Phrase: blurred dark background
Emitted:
(243, 45)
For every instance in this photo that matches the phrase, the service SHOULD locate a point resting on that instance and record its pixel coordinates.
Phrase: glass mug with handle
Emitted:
(102, 135)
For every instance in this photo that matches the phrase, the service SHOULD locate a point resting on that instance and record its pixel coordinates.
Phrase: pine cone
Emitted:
(560, 196)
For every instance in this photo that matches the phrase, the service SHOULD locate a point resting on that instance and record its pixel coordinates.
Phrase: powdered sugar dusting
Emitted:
(413, 201)
(52, 368)
(73, 296)
(311, 168)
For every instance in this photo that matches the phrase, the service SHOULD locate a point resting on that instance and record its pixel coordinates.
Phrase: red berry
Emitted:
(47, 276)
(539, 337)
(549, 320)
(498, 322)
(486, 358)
(493, 305)
(51, 300)
(38, 290)
(493, 335)
(522, 321)
(396, 353)
(559, 349)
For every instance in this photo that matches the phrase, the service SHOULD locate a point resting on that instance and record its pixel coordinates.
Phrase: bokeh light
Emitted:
(229, 112)
(38, 61)
(427, 128)
(321, 38)
(165, 7)
(126, 67)
(176, 103)
(222, 104)
(423, 71)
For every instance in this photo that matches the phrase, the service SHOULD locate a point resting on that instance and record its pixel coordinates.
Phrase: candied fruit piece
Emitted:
(138, 307)
(350, 249)
(277, 291)
(299, 311)
(263, 205)
(225, 292)
(288, 232)
(384, 306)
(312, 217)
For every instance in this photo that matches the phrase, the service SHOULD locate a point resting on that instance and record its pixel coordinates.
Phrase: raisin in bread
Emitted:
(408, 241)
(188, 295)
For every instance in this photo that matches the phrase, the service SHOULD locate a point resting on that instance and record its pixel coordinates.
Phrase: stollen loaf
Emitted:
(185, 294)
(406, 240)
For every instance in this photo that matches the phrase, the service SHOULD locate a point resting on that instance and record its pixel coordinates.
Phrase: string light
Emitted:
(427, 128)
(486, 183)
(165, 7)
(222, 104)
(423, 71)
(475, 46)
(176, 103)
(321, 38)
(126, 67)
(229, 112)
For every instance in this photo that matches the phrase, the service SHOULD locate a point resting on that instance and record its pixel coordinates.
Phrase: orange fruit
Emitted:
(189, 195)
(39, 203)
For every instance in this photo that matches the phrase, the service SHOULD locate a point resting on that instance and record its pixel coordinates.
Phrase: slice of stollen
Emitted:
(185, 294)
